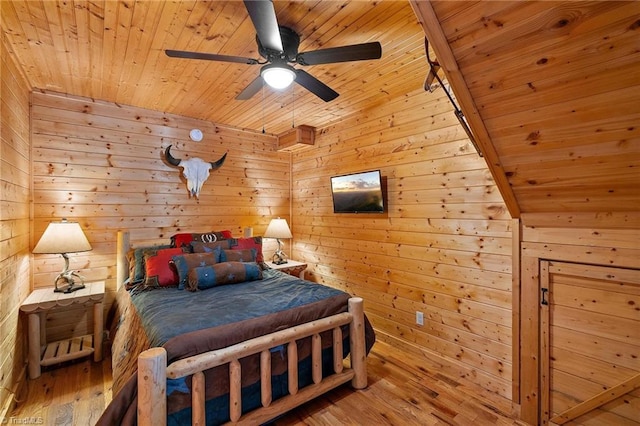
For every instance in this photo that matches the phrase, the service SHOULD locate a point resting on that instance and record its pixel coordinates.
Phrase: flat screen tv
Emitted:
(358, 193)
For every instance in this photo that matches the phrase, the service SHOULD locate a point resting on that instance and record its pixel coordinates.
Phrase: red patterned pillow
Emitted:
(159, 272)
(179, 240)
(248, 243)
(135, 258)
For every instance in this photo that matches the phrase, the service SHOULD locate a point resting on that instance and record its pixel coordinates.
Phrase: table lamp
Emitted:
(278, 228)
(62, 238)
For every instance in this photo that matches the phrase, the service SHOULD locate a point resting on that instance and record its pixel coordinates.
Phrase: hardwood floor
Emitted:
(403, 390)
(75, 393)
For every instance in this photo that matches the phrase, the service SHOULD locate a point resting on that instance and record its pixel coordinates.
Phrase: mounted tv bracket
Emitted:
(429, 86)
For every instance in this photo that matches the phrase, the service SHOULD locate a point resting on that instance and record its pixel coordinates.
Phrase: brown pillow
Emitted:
(199, 247)
(246, 255)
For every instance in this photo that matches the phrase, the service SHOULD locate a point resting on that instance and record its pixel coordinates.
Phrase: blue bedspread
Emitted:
(188, 323)
(191, 311)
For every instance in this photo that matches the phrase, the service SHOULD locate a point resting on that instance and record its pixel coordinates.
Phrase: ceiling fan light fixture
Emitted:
(278, 76)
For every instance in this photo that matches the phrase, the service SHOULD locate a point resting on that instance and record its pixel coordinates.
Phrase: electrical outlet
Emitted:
(419, 318)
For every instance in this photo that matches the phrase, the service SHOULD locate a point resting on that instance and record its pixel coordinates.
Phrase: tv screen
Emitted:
(358, 193)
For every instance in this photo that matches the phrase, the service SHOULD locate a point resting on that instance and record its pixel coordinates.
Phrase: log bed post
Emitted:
(357, 343)
(122, 247)
(152, 387)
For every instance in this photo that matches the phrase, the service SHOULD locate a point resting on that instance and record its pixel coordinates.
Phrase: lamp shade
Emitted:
(278, 76)
(278, 228)
(62, 237)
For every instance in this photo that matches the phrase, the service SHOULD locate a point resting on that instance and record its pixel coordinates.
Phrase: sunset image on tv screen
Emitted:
(360, 192)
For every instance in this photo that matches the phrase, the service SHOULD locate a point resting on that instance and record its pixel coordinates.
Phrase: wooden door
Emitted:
(590, 345)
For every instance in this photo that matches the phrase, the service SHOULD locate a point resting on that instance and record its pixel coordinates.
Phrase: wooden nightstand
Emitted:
(37, 305)
(292, 267)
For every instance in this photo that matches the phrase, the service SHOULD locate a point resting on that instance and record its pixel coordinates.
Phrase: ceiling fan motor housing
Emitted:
(290, 44)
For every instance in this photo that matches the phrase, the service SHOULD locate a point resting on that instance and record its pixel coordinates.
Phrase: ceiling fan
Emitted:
(279, 48)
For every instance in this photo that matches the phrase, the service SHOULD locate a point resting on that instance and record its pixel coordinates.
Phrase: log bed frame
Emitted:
(153, 370)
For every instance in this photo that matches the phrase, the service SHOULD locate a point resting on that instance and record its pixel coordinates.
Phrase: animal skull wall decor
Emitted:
(195, 170)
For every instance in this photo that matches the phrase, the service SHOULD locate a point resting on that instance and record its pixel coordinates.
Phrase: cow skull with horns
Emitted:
(195, 170)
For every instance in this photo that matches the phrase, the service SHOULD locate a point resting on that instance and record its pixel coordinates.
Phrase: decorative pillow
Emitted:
(159, 273)
(186, 262)
(179, 240)
(135, 257)
(245, 255)
(204, 277)
(199, 247)
(248, 243)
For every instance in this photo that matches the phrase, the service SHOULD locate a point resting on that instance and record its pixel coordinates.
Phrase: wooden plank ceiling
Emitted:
(114, 50)
(556, 88)
(551, 89)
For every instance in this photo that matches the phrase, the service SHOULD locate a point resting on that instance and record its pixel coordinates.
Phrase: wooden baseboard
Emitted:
(456, 370)
(6, 410)
(10, 403)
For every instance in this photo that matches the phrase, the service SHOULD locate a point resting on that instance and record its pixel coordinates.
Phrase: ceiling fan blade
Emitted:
(263, 16)
(253, 88)
(210, 57)
(354, 52)
(315, 86)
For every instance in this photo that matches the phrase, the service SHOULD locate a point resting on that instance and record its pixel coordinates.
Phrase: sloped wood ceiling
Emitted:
(552, 90)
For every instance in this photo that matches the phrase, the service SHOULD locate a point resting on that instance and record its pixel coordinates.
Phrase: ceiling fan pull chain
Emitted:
(293, 107)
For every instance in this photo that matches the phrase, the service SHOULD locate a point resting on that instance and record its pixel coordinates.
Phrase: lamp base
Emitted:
(279, 258)
(68, 281)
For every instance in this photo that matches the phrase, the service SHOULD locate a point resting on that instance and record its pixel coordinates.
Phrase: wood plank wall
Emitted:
(584, 239)
(100, 164)
(15, 178)
(443, 248)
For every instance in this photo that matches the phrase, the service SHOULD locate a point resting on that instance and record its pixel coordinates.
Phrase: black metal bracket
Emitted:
(544, 295)
(434, 66)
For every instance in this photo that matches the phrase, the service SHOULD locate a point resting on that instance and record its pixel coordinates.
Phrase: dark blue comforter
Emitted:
(188, 323)
(190, 311)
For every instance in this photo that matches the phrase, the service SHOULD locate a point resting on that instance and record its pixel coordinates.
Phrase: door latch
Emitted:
(544, 295)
